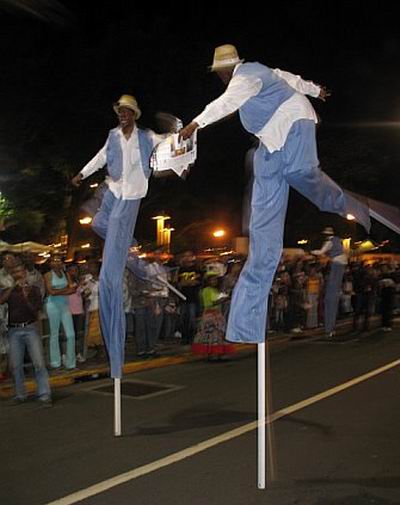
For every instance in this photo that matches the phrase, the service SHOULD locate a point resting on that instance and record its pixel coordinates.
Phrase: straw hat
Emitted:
(129, 102)
(225, 56)
(328, 231)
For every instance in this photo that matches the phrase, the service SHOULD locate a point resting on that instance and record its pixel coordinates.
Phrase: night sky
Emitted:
(65, 63)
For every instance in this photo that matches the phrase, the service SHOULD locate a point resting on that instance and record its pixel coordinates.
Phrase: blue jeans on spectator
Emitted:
(21, 338)
(156, 317)
(144, 337)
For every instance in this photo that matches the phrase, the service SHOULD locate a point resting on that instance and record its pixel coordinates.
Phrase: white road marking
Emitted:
(212, 442)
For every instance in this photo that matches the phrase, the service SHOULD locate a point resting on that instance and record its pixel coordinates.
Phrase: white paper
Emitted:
(175, 155)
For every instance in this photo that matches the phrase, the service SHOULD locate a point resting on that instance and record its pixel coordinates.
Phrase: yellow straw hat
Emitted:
(129, 102)
(224, 57)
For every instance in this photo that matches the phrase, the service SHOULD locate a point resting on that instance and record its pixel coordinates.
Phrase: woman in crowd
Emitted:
(78, 313)
(94, 338)
(314, 284)
(58, 287)
(210, 336)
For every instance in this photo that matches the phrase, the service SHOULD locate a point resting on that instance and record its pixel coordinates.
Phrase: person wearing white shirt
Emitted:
(127, 153)
(272, 106)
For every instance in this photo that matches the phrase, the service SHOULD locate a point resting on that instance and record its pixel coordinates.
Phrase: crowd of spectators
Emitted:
(68, 318)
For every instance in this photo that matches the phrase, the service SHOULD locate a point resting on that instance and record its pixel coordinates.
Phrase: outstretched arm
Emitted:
(90, 168)
(239, 90)
(327, 246)
(304, 87)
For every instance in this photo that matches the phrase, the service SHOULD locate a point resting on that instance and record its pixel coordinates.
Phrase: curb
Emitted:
(67, 379)
(102, 371)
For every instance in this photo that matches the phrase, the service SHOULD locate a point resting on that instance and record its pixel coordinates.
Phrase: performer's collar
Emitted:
(236, 67)
(121, 133)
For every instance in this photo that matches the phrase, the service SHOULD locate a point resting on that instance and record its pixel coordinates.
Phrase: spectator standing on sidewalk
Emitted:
(363, 284)
(34, 277)
(6, 281)
(228, 283)
(210, 337)
(347, 291)
(333, 248)
(58, 287)
(136, 301)
(300, 305)
(189, 283)
(387, 288)
(158, 295)
(314, 283)
(24, 301)
(93, 337)
(75, 301)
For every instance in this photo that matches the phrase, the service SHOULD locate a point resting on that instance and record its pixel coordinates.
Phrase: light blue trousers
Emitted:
(332, 294)
(58, 312)
(295, 165)
(115, 223)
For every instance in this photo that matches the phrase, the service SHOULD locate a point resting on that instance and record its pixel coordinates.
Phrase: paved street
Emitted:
(342, 449)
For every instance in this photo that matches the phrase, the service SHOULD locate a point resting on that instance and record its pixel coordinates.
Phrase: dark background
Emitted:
(65, 63)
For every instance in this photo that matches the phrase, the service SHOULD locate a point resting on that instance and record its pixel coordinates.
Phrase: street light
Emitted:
(85, 220)
(167, 237)
(350, 217)
(160, 228)
(219, 233)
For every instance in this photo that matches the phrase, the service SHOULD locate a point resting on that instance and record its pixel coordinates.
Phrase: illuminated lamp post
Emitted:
(160, 228)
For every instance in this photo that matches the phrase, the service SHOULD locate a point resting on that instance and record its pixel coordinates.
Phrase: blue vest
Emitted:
(114, 153)
(337, 247)
(258, 110)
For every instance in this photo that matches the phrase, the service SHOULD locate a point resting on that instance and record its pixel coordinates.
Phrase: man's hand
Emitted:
(324, 93)
(188, 130)
(77, 180)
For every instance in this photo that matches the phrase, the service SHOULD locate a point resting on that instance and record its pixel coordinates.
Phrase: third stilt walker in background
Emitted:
(332, 247)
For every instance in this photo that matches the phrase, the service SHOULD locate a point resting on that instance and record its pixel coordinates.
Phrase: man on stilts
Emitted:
(127, 153)
(332, 247)
(273, 107)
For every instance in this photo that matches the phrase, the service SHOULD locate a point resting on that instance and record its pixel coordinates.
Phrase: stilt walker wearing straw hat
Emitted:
(127, 153)
(272, 106)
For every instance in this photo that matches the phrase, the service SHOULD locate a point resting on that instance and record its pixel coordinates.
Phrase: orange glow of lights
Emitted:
(219, 233)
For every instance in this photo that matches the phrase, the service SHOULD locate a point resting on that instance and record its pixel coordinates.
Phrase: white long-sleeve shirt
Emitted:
(133, 183)
(242, 87)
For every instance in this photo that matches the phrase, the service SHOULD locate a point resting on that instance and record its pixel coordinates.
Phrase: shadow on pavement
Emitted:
(198, 417)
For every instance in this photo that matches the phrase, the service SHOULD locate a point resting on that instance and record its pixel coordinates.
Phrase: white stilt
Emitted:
(117, 407)
(261, 415)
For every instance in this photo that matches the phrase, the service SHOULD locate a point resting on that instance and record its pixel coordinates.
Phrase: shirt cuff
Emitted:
(200, 121)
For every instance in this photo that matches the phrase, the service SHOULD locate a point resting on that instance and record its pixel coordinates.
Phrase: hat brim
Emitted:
(223, 66)
(136, 110)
